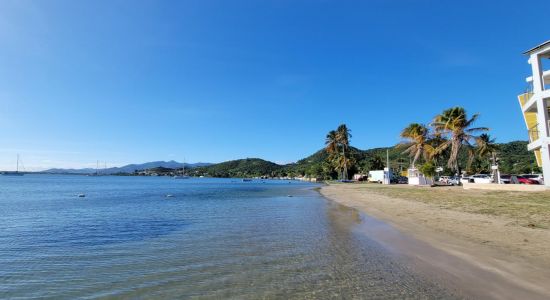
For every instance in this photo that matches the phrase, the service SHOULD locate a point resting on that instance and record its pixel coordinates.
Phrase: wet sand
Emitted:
(481, 256)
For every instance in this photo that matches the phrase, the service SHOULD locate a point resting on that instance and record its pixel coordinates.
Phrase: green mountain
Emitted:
(248, 167)
(513, 159)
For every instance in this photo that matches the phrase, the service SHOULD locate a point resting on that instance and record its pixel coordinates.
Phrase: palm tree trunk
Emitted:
(345, 170)
(453, 158)
(416, 156)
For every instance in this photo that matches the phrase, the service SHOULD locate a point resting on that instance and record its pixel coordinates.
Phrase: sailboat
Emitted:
(96, 170)
(182, 176)
(16, 173)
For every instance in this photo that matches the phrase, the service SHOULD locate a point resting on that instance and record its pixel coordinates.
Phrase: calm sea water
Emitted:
(215, 239)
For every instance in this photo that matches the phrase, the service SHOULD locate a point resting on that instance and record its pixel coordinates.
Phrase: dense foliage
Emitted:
(249, 167)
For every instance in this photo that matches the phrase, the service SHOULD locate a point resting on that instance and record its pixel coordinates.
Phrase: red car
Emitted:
(523, 180)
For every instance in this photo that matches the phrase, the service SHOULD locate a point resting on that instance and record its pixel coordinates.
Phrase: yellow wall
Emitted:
(530, 117)
(530, 122)
(538, 157)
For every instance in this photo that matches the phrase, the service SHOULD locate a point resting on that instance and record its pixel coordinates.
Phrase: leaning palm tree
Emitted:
(343, 135)
(438, 154)
(455, 123)
(417, 142)
(486, 146)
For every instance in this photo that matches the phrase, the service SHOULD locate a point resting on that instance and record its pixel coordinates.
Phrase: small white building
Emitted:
(416, 178)
(534, 105)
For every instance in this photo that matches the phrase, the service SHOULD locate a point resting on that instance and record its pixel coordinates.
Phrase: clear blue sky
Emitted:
(135, 81)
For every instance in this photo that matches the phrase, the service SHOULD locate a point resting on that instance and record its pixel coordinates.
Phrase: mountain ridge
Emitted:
(130, 168)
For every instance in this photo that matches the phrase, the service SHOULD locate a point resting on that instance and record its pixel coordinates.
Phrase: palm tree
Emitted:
(331, 146)
(331, 142)
(486, 147)
(438, 154)
(417, 142)
(455, 123)
(343, 135)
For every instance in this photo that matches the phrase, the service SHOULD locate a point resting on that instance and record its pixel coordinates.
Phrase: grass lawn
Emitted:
(530, 209)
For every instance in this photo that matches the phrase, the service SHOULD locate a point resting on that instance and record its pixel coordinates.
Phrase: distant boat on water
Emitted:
(247, 179)
(97, 173)
(16, 173)
(182, 175)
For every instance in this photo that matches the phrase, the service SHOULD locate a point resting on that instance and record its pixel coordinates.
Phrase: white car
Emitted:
(482, 178)
(444, 179)
(450, 180)
(466, 179)
(454, 180)
(537, 177)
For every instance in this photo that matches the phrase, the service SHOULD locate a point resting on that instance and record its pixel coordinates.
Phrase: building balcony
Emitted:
(537, 137)
(524, 98)
(533, 133)
(545, 77)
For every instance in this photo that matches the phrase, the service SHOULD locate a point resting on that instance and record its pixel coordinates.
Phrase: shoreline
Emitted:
(473, 253)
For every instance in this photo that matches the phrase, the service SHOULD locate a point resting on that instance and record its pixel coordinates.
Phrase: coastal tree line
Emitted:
(451, 140)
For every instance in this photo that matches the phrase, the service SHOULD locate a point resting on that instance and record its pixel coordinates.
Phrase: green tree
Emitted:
(455, 124)
(417, 142)
(428, 169)
(343, 135)
(337, 147)
(372, 163)
(486, 148)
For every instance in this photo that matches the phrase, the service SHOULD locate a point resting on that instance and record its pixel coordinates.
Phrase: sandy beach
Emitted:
(484, 242)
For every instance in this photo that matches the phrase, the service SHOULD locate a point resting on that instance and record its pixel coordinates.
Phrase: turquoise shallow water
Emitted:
(215, 239)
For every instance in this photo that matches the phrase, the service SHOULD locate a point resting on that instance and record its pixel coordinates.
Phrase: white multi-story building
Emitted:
(534, 105)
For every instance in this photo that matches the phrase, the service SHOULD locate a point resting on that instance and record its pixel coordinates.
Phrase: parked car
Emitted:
(506, 179)
(450, 180)
(536, 177)
(402, 180)
(454, 180)
(524, 180)
(482, 178)
(444, 179)
(467, 179)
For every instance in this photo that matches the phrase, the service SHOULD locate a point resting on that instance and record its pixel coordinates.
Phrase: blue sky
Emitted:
(136, 81)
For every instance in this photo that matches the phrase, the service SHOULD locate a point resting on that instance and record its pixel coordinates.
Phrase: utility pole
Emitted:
(387, 179)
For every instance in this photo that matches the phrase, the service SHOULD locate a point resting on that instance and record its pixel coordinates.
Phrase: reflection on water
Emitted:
(214, 239)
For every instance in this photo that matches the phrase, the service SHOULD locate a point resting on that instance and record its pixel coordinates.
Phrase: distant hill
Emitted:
(248, 167)
(128, 168)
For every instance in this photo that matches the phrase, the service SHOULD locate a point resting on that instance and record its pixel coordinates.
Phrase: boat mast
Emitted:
(17, 167)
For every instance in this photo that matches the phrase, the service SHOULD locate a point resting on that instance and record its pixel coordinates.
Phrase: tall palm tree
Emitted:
(417, 142)
(455, 123)
(343, 135)
(331, 146)
(486, 147)
(437, 154)
(331, 142)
